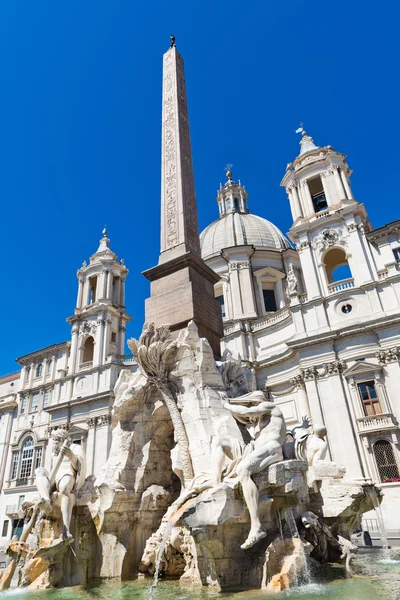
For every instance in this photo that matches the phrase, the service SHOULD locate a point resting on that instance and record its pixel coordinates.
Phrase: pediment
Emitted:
(78, 430)
(269, 271)
(360, 367)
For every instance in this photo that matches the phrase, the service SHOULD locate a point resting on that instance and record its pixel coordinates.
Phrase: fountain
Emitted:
(181, 496)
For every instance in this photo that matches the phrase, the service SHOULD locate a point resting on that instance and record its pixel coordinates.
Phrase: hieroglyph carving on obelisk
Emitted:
(179, 226)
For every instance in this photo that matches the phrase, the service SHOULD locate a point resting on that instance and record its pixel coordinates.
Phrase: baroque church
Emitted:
(314, 317)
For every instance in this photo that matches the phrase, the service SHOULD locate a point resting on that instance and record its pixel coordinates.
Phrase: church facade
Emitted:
(316, 321)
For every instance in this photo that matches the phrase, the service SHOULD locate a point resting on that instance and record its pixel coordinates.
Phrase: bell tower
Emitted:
(99, 321)
(329, 225)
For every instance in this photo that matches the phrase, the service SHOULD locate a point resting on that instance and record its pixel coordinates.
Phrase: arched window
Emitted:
(336, 265)
(386, 462)
(25, 460)
(39, 370)
(88, 350)
(237, 205)
(228, 205)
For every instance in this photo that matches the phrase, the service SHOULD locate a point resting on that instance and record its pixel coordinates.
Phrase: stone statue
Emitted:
(266, 426)
(69, 477)
(309, 442)
(233, 377)
(293, 284)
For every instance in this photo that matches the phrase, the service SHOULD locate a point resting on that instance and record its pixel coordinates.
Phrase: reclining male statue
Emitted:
(69, 477)
(266, 426)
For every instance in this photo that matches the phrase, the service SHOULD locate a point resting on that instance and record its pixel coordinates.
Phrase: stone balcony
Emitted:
(340, 286)
(12, 510)
(374, 423)
(86, 365)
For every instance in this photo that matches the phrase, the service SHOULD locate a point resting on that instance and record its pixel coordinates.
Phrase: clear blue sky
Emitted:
(80, 112)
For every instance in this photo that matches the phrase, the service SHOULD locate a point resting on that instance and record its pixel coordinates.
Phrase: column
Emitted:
(31, 374)
(23, 378)
(106, 336)
(339, 183)
(54, 368)
(74, 348)
(85, 293)
(392, 381)
(302, 398)
(235, 290)
(44, 371)
(80, 292)
(311, 276)
(307, 200)
(296, 202)
(121, 339)
(110, 278)
(358, 259)
(346, 185)
(105, 281)
(122, 293)
(117, 289)
(314, 401)
(98, 357)
(247, 290)
(341, 423)
(6, 427)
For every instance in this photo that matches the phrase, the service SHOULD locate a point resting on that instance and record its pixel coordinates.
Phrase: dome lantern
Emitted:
(232, 196)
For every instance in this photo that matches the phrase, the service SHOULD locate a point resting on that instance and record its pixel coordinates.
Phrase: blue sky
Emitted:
(80, 112)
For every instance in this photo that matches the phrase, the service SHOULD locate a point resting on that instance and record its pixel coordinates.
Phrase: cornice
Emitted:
(27, 359)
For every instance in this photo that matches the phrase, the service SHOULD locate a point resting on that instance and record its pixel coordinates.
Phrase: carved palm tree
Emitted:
(155, 353)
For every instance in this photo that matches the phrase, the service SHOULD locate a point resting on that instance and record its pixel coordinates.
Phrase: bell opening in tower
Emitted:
(317, 194)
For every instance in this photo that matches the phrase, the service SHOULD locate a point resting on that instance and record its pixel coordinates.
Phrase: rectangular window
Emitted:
(317, 194)
(21, 500)
(26, 463)
(369, 398)
(221, 300)
(5, 529)
(24, 401)
(113, 337)
(14, 467)
(396, 253)
(46, 398)
(35, 402)
(18, 525)
(269, 300)
(38, 459)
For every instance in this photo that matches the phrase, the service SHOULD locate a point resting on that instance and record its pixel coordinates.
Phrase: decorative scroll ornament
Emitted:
(327, 238)
(88, 328)
(234, 266)
(334, 367)
(388, 355)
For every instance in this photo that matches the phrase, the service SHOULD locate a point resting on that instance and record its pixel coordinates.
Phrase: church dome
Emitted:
(241, 229)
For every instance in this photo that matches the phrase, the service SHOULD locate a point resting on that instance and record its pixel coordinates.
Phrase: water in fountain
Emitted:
(279, 521)
(168, 528)
(371, 492)
(305, 577)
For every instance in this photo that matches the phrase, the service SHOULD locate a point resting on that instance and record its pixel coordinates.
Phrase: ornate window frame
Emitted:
(39, 447)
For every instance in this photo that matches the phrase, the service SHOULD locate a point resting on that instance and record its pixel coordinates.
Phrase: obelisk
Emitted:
(182, 285)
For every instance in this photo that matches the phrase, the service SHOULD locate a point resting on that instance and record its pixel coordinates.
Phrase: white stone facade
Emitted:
(320, 343)
(68, 385)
